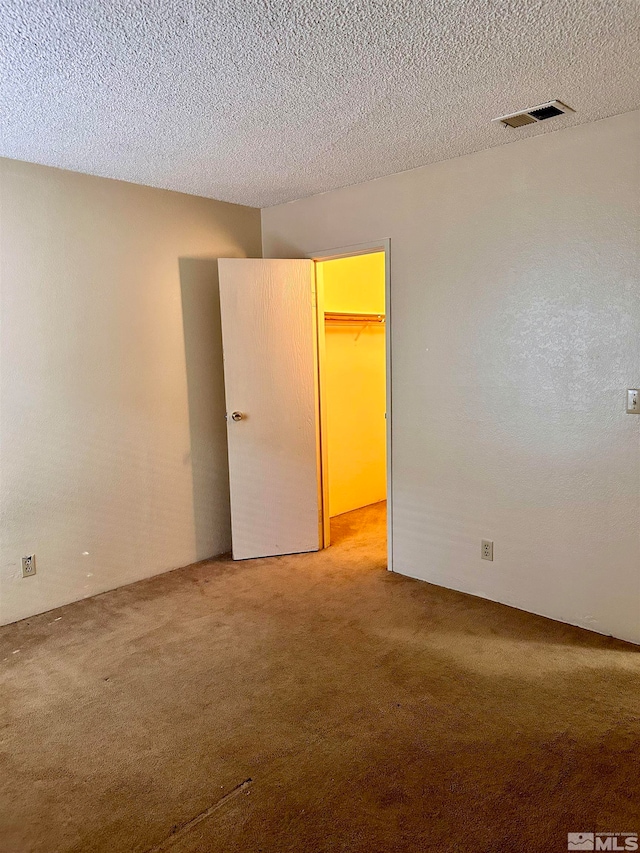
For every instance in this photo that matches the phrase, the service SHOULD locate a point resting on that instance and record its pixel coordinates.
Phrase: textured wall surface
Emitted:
(112, 433)
(259, 101)
(515, 327)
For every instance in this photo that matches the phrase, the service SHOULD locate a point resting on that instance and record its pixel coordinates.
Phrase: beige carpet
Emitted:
(370, 712)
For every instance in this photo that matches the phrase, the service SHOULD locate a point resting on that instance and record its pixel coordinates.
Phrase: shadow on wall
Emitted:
(205, 387)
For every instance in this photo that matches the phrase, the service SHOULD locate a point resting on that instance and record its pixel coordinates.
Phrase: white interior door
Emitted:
(269, 338)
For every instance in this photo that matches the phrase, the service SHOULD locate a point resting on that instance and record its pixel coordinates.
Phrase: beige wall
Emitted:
(515, 331)
(113, 443)
(354, 382)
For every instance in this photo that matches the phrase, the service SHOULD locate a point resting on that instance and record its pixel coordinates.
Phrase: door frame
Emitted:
(383, 245)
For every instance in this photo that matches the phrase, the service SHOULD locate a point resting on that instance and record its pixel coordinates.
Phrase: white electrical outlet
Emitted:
(28, 566)
(487, 549)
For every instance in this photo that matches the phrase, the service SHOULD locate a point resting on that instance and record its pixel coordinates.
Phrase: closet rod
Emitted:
(352, 317)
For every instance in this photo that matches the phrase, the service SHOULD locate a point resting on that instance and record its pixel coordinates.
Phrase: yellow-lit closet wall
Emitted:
(354, 382)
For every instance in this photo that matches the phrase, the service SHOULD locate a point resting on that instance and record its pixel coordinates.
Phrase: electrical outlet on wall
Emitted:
(28, 566)
(487, 549)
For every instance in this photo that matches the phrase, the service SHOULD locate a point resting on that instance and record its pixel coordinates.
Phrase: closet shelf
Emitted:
(352, 318)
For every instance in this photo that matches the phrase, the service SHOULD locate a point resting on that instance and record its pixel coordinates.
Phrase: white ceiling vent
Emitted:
(534, 114)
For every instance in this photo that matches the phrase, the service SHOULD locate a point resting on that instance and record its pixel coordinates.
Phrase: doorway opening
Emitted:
(303, 445)
(353, 377)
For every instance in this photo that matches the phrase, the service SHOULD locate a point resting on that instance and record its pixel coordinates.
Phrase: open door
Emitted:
(269, 338)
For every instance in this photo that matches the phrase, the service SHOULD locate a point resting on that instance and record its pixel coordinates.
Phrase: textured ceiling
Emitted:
(262, 101)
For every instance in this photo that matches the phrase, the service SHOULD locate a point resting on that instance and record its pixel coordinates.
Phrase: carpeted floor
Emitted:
(370, 712)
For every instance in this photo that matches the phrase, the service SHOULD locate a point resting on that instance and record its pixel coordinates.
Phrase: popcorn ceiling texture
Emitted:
(260, 101)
